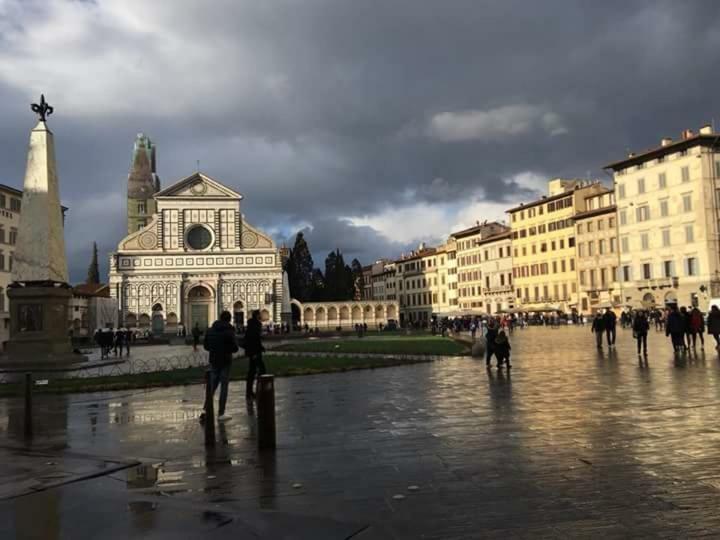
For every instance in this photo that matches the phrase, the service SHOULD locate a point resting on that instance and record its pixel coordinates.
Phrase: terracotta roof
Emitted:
(697, 140)
(494, 238)
(92, 289)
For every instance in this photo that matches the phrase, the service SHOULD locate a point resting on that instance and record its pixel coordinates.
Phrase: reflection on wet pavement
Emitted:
(573, 442)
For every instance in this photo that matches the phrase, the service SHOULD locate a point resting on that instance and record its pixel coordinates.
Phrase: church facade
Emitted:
(194, 257)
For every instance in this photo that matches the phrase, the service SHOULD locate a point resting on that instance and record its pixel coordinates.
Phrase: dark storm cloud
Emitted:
(323, 110)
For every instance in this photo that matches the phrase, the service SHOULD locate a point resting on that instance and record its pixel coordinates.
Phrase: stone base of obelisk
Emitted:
(39, 328)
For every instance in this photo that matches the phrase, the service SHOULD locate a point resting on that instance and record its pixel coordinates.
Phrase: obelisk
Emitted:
(39, 293)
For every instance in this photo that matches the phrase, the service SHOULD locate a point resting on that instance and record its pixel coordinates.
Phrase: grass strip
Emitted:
(431, 345)
(280, 366)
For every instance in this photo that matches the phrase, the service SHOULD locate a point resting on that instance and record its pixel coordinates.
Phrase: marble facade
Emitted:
(196, 257)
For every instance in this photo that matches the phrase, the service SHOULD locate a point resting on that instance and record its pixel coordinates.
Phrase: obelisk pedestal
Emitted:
(39, 293)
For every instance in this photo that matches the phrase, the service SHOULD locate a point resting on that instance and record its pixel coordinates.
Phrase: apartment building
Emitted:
(469, 255)
(598, 256)
(669, 221)
(543, 245)
(10, 203)
(496, 272)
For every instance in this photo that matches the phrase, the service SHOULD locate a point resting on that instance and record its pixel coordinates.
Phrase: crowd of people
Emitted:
(113, 339)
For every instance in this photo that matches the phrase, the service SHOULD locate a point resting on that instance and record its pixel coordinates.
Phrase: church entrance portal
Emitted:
(200, 300)
(238, 314)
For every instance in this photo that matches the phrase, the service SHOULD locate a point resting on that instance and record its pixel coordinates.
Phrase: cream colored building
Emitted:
(597, 254)
(543, 244)
(196, 257)
(669, 222)
(469, 260)
(10, 203)
(345, 315)
(496, 272)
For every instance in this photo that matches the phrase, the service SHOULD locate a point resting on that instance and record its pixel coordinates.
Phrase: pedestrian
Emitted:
(598, 328)
(685, 315)
(610, 321)
(714, 325)
(221, 343)
(697, 327)
(473, 330)
(640, 328)
(502, 350)
(675, 328)
(119, 341)
(253, 350)
(490, 335)
(196, 336)
(128, 338)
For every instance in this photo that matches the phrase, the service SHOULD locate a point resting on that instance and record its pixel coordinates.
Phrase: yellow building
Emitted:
(669, 222)
(543, 244)
(598, 257)
(469, 260)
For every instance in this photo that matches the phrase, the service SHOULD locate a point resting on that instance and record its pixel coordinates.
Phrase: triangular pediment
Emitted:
(199, 185)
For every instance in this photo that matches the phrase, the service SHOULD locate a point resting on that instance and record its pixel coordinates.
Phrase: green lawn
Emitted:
(423, 344)
(280, 366)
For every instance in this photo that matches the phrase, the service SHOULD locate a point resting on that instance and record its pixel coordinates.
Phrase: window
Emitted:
(626, 274)
(591, 248)
(562, 265)
(592, 278)
(603, 277)
(2, 234)
(666, 237)
(668, 269)
(13, 238)
(2, 201)
(601, 247)
(611, 222)
(2, 260)
(662, 180)
(624, 244)
(15, 205)
(691, 266)
(664, 208)
(601, 224)
(613, 245)
(644, 241)
(621, 191)
(646, 271)
(685, 174)
(141, 208)
(689, 234)
(554, 267)
(581, 249)
(642, 213)
(687, 202)
(572, 265)
(579, 230)
(623, 217)
(582, 277)
(641, 185)
(590, 227)
(571, 242)
(199, 237)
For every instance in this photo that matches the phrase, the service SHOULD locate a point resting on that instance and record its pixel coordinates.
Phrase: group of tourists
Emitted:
(109, 339)
(605, 324)
(221, 342)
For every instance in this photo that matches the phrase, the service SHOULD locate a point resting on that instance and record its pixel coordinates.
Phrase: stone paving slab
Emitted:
(574, 443)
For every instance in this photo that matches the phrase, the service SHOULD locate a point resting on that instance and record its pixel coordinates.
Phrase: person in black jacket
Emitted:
(675, 328)
(640, 331)
(253, 350)
(610, 320)
(598, 327)
(220, 342)
(490, 334)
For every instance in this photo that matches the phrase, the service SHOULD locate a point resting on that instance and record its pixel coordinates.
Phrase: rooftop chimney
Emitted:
(631, 155)
(706, 130)
(687, 133)
(665, 141)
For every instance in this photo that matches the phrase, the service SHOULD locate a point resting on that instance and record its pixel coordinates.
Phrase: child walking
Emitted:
(502, 349)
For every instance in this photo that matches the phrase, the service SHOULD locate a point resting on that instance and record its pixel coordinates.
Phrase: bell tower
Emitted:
(143, 183)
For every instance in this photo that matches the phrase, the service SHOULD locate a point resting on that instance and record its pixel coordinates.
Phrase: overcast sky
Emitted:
(373, 124)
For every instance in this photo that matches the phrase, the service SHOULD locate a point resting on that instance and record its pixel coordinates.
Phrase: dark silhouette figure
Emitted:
(221, 343)
(253, 350)
(640, 327)
(598, 327)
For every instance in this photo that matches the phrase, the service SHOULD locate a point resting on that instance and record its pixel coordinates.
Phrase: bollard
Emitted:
(266, 412)
(209, 411)
(28, 405)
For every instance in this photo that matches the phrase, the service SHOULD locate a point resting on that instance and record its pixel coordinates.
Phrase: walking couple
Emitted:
(221, 343)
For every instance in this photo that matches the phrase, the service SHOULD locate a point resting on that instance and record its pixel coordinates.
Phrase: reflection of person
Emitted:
(253, 350)
(220, 342)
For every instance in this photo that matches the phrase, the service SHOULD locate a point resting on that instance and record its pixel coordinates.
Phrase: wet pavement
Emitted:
(574, 443)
